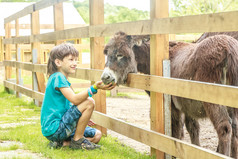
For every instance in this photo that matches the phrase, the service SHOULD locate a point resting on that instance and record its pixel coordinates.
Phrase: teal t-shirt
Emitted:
(54, 104)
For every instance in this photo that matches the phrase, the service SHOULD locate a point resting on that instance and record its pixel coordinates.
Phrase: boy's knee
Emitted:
(91, 102)
(98, 136)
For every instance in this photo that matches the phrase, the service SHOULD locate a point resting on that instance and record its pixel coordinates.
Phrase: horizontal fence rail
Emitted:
(26, 91)
(32, 8)
(208, 92)
(187, 24)
(156, 140)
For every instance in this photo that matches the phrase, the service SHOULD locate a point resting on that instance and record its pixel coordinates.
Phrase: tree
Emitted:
(192, 7)
(113, 14)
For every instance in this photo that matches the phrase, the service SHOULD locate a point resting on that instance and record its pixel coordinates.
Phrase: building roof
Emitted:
(46, 16)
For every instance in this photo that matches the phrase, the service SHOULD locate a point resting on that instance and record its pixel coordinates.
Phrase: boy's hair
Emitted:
(60, 52)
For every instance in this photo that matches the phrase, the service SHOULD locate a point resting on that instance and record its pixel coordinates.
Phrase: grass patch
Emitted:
(9, 148)
(14, 110)
(34, 141)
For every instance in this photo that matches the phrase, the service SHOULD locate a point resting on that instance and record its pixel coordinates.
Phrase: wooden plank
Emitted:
(156, 140)
(58, 20)
(97, 61)
(208, 92)
(26, 91)
(27, 66)
(31, 8)
(78, 45)
(18, 57)
(27, 10)
(216, 22)
(35, 30)
(1, 49)
(7, 51)
(46, 3)
(159, 51)
(48, 26)
(18, 40)
(81, 46)
(35, 82)
(167, 105)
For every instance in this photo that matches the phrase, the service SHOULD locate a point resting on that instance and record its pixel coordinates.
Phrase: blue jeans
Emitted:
(68, 125)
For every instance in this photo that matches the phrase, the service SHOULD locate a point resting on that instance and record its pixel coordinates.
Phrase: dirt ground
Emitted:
(137, 110)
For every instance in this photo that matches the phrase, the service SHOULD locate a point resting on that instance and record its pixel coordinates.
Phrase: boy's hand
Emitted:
(100, 85)
(91, 123)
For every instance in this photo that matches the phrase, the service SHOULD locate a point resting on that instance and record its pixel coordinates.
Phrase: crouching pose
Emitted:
(64, 114)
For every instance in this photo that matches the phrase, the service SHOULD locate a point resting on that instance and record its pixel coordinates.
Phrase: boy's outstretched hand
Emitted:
(100, 85)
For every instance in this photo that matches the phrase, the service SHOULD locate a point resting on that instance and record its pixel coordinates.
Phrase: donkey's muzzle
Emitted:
(108, 76)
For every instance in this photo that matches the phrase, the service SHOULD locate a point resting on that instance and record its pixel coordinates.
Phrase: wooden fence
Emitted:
(159, 26)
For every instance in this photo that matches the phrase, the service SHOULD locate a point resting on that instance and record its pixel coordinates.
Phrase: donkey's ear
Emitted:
(172, 44)
(129, 37)
(105, 50)
(139, 39)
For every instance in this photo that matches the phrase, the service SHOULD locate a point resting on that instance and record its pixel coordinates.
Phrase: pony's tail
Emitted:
(232, 62)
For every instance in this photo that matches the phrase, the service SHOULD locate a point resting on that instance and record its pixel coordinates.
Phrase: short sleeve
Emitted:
(60, 81)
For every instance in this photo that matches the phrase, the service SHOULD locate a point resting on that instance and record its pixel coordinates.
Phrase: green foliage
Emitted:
(192, 7)
(113, 14)
(116, 14)
(83, 9)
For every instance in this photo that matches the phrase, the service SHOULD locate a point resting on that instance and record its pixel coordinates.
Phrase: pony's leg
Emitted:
(193, 129)
(222, 123)
(177, 122)
(233, 112)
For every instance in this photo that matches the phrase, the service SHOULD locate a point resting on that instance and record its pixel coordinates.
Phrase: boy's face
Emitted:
(67, 65)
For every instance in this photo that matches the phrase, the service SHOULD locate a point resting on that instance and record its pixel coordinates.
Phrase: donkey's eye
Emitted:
(119, 57)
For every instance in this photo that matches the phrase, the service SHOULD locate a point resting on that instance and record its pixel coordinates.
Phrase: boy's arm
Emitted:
(76, 99)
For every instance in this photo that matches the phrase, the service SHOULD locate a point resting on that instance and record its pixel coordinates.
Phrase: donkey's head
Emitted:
(120, 58)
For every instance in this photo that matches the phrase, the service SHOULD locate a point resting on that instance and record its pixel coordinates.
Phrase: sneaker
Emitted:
(55, 144)
(83, 143)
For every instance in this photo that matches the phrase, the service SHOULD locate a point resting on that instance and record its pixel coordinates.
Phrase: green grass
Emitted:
(15, 110)
(9, 148)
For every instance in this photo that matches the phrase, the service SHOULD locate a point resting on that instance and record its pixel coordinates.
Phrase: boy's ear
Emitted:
(57, 62)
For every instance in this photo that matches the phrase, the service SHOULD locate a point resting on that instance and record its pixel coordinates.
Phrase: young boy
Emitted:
(64, 114)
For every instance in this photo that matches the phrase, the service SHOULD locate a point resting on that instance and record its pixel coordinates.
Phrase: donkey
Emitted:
(233, 34)
(214, 60)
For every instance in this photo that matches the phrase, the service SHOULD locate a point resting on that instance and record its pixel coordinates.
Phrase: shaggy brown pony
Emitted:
(214, 59)
(233, 34)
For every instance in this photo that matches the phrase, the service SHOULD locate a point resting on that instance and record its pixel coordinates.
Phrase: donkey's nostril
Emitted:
(108, 77)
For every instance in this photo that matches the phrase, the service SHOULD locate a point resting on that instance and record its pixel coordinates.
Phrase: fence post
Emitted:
(7, 53)
(158, 52)
(35, 29)
(80, 58)
(167, 105)
(18, 71)
(18, 57)
(1, 49)
(58, 19)
(97, 59)
(37, 78)
(34, 78)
